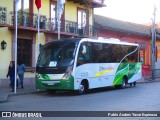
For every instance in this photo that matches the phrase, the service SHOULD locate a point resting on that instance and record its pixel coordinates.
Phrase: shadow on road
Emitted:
(74, 93)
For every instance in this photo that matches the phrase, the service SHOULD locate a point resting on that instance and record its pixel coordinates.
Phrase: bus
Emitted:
(80, 64)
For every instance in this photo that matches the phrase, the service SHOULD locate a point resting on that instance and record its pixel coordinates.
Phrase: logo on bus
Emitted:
(110, 68)
(104, 70)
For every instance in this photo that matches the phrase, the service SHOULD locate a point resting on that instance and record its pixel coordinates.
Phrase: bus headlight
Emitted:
(67, 74)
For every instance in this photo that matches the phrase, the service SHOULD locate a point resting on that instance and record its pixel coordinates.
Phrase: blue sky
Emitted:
(137, 11)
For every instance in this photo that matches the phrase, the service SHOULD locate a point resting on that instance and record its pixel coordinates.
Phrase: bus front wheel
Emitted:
(82, 88)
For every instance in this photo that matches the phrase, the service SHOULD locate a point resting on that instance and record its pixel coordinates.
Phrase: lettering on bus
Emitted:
(110, 68)
(104, 70)
(84, 74)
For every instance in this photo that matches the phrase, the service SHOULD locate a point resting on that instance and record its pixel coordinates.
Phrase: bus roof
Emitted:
(110, 40)
(96, 39)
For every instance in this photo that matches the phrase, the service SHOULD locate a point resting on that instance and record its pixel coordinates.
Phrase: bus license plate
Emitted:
(50, 82)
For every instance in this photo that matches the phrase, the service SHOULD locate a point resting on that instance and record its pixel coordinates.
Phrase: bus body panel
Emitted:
(55, 82)
(101, 75)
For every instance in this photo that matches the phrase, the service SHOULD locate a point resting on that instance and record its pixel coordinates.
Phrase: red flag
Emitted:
(38, 3)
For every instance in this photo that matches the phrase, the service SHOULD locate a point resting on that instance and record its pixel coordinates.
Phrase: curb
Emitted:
(4, 97)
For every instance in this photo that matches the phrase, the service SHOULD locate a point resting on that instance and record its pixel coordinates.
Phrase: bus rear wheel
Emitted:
(123, 85)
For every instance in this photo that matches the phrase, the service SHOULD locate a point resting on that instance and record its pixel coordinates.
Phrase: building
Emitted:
(77, 21)
(129, 32)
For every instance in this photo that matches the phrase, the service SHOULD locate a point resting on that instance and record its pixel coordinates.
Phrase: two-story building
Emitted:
(76, 21)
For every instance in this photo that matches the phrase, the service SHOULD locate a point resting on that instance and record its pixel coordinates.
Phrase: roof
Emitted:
(117, 25)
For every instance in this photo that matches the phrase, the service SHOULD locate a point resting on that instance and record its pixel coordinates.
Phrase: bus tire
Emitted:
(123, 85)
(83, 88)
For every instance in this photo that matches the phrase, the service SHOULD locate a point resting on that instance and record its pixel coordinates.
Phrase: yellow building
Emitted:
(77, 21)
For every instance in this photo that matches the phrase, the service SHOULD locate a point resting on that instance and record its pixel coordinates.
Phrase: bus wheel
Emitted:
(123, 85)
(134, 83)
(82, 88)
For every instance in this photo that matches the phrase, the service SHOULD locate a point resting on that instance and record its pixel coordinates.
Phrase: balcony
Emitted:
(92, 3)
(3, 16)
(29, 21)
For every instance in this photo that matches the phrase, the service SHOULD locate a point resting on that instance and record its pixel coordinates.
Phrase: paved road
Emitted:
(143, 97)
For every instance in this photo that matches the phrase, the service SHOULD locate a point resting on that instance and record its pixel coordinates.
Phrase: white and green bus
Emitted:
(81, 64)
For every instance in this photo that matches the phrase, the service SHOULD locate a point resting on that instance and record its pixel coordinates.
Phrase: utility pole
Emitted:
(153, 50)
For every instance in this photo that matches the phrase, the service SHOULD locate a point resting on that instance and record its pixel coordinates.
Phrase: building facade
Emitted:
(129, 32)
(76, 21)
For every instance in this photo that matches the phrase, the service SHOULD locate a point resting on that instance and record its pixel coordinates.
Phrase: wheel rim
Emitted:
(81, 88)
(123, 84)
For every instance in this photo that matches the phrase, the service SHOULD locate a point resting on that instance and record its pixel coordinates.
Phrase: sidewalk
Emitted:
(5, 91)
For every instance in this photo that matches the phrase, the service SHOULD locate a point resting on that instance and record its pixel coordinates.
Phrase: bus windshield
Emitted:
(57, 54)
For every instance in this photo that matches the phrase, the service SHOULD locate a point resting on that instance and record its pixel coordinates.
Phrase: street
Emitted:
(143, 97)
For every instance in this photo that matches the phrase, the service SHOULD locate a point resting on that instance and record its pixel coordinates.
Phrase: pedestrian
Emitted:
(11, 74)
(21, 70)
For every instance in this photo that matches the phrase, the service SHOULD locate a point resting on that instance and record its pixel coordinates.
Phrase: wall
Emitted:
(157, 65)
(5, 55)
(42, 41)
(45, 8)
(71, 12)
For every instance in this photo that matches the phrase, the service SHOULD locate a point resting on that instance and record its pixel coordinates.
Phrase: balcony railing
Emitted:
(3, 15)
(26, 19)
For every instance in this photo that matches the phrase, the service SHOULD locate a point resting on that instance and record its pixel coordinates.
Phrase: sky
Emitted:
(136, 11)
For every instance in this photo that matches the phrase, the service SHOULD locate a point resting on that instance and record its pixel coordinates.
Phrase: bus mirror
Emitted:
(84, 49)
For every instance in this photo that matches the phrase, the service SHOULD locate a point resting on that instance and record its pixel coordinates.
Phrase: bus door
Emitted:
(82, 68)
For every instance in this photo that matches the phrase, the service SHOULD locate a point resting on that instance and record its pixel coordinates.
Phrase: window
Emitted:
(24, 8)
(24, 51)
(82, 21)
(53, 15)
(113, 53)
(23, 5)
(82, 18)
